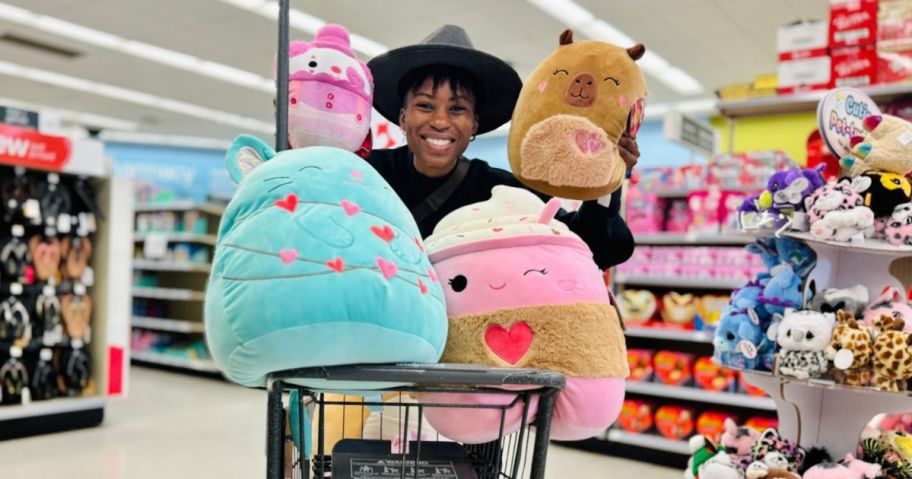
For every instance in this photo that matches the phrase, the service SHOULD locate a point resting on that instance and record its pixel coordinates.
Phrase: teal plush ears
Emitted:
(317, 263)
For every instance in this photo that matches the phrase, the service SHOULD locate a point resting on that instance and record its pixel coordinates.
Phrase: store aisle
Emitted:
(175, 426)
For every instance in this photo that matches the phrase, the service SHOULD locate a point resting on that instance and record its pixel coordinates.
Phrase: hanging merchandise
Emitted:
(570, 115)
(16, 190)
(45, 253)
(557, 316)
(14, 379)
(55, 201)
(76, 310)
(48, 317)
(74, 370)
(43, 382)
(14, 257)
(16, 327)
(77, 251)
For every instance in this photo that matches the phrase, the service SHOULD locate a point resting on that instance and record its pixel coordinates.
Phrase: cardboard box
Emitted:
(894, 25)
(852, 23)
(894, 66)
(854, 66)
(808, 74)
(803, 39)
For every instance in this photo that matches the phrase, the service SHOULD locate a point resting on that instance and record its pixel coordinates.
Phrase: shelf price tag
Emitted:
(155, 246)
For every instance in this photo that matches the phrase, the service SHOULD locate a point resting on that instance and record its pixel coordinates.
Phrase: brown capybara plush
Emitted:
(570, 115)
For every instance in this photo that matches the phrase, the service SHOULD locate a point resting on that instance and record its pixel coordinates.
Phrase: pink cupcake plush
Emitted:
(523, 291)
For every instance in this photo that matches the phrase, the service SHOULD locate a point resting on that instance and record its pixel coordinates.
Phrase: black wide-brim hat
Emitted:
(450, 46)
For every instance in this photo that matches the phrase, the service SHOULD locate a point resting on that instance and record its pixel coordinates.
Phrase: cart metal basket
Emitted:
(512, 456)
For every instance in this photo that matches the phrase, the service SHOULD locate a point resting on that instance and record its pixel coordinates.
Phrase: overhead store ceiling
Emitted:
(714, 41)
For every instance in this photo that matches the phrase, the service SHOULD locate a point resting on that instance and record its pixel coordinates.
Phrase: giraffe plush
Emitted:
(851, 351)
(892, 355)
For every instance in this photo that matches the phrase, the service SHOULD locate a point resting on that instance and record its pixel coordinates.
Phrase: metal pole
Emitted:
(275, 431)
(282, 80)
(543, 433)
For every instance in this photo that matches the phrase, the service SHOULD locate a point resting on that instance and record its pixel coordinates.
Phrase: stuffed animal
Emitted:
(702, 450)
(738, 440)
(570, 115)
(340, 278)
(851, 351)
(802, 337)
(837, 211)
(848, 468)
(891, 303)
(679, 309)
(330, 93)
(892, 355)
(788, 189)
(782, 291)
(886, 147)
(852, 300)
(522, 291)
(885, 192)
(720, 466)
(774, 251)
(759, 470)
(776, 452)
(898, 227)
(638, 306)
(740, 343)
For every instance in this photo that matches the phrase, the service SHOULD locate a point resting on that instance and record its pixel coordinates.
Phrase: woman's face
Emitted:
(438, 125)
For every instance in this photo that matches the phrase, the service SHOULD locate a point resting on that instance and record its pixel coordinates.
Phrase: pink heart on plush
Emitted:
(288, 255)
(510, 345)
(351, 209)
(388, 268)
(588, 142)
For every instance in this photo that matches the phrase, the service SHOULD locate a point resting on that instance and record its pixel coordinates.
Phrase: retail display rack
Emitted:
(172, 261)
(67, 359)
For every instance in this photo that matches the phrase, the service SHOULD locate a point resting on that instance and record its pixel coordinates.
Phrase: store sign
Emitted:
(692, 133)
(15, 116)
(23, 147)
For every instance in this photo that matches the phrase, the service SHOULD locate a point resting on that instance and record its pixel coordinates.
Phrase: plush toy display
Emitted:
(802, 337)
(890, 303)
(570, 115)
(898, 227)
(786, 190)
(679, 310)
(851, 351)
(886, 147)
(739, 441)
(341, 277)
(330, 93)
(837, 211)
(783, 290)
(522, 291)
(638, 306)
(892, 354)
(776, 452)
(885, 191)
(708, 460)
(740, 342)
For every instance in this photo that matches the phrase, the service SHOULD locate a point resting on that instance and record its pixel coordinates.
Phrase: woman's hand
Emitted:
(629, 150)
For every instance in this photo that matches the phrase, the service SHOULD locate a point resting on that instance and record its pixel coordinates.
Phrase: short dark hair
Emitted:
(454, 76)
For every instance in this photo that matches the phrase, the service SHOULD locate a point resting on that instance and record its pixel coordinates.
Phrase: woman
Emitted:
(442, 92)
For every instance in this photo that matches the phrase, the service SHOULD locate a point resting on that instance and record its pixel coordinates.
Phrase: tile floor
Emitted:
(177, 426)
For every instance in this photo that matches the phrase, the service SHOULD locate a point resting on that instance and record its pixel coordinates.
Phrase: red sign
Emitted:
(854, 66)
(19, 146)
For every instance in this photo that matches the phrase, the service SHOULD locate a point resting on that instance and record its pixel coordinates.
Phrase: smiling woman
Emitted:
(442, 92)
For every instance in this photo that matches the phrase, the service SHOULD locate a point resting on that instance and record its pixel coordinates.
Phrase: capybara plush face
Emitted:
(570, 115)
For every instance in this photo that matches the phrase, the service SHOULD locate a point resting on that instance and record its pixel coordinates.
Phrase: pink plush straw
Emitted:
(549, 211)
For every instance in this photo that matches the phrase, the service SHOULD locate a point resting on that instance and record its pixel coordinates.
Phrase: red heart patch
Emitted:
(288, 255)
(422, 287)
(387, 268)
(510, 345)
(336, 265)
(351, 209)
(290, 202)
(385, 233)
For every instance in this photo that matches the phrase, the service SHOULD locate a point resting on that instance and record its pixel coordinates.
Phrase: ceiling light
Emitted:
(573, 15)
(309, 23)
(133, 96)
(82, 118)
(134, 48)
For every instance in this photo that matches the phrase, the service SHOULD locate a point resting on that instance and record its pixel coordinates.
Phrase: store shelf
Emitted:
(53, 406)
(180, 237)
(870, 246)
(182, 266)
(670, 334)
(162, 324)
(211, 208)
(678, 282)
(202, 365)
(806, 102)
(700, 395)
(693, 239)
(650, 441)
(168, 293)
(683, 192)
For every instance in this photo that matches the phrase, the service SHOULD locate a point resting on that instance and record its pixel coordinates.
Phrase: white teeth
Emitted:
(438, 142)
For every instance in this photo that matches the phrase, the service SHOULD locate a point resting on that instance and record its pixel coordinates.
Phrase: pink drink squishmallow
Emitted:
(330, 93)
(522, 290)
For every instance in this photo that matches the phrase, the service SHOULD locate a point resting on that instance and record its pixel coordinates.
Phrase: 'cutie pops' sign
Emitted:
(839, 117)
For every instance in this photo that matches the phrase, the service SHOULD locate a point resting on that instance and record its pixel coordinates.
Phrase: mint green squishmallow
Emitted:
(317, 263)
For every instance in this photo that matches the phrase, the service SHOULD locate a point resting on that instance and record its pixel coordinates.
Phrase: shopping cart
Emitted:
(521, 454)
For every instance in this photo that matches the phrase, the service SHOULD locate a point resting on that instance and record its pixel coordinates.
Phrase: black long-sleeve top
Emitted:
(601, 228)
